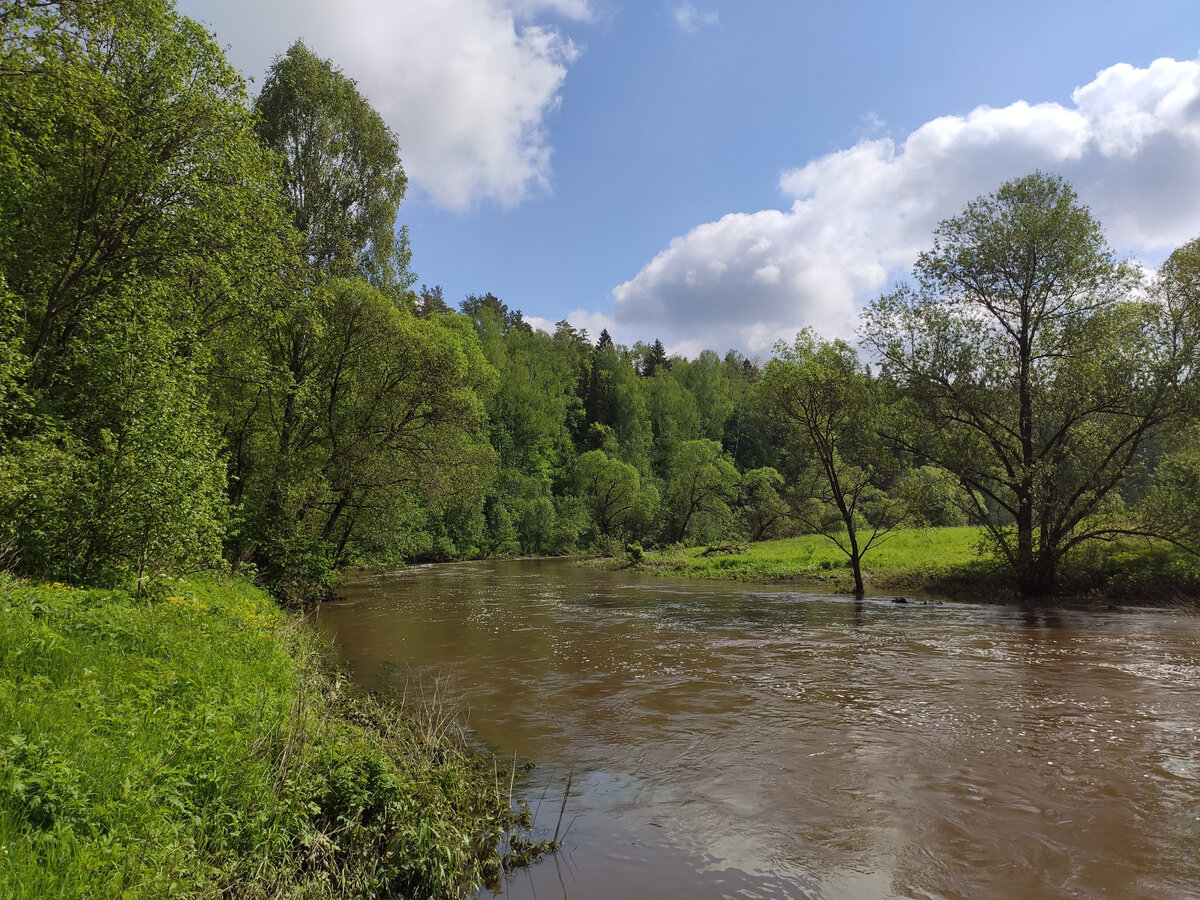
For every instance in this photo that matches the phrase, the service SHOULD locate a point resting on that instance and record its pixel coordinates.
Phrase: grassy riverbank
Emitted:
(947, 561)
(190, 745)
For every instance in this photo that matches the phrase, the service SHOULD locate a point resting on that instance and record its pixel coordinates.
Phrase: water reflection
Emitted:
(759, 742)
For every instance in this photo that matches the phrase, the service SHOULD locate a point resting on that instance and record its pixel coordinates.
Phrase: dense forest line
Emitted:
(214, 354)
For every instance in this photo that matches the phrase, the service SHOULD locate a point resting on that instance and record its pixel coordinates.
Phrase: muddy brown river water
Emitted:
(749, 741)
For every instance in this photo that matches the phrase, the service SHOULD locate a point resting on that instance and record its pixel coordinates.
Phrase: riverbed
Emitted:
(746, 741)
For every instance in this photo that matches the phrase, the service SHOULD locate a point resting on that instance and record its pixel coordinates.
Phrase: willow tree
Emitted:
(1032, 368)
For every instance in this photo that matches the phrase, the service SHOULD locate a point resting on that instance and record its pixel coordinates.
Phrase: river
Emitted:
(760, 741)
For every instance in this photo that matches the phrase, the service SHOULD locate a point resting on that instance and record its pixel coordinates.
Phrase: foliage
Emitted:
(1032, 370)
(934, 498)
(135, 218)
(674, 415)
(341, 166)
(613, 493)
(378, 430)
(706, 379)
(701, 483)
(1171, 507)
(824, 401)
(765, 514)
(188, 746)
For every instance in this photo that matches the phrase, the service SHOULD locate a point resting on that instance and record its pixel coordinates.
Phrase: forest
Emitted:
(215, 355)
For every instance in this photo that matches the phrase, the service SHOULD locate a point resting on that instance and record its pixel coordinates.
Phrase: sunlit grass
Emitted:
(188, 745)
(945, 560)
(909, 558)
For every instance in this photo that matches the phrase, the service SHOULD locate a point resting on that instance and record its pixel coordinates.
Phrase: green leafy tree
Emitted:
(535, 393)
(342, 171)
(706, 379)
(1170, 508)
(823, 399)
(674, 417)
(574, 347)
(1032, 370)
(364, 430)
(747, 436)
(613, 493)
(616, 399)
(387, 428)
(139, 222)
(764, 512)
(935, 498)
(701, 483)
(651, 358)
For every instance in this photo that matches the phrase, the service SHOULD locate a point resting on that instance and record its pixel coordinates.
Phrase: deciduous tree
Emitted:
(823, 399)
(1033, 368)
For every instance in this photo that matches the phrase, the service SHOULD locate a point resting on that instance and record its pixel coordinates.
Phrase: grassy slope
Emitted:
(940, 560)
(187, 746)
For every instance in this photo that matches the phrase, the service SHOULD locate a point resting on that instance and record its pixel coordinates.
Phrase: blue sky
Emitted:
(723, 174)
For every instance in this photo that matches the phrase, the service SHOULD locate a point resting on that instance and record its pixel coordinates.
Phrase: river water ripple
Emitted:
(755, 742)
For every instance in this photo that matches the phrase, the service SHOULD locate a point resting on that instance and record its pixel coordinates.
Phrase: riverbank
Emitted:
(944, 561)
(192, 743)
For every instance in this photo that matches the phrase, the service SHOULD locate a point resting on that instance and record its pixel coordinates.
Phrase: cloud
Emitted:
(1129, 143)
(594, 323)
(467, 85)
(691, 19)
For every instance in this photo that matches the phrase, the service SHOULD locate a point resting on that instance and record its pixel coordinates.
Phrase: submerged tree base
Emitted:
(192, 744)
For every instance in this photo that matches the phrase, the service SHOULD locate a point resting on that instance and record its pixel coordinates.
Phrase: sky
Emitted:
(722, 174)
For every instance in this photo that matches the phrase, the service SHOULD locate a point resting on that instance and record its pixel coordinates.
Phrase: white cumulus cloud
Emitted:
(465, 84)
(1129, 143)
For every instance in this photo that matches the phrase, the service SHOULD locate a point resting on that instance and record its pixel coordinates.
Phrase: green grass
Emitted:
(909, 559)
(189, 745)
(945, 561)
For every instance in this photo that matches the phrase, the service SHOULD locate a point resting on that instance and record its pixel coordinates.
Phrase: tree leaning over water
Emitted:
(1032, 366)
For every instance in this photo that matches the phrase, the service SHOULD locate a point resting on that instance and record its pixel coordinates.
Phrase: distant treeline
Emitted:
(213, 353)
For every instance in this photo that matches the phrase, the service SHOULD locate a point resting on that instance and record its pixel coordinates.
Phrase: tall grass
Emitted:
(189, 745)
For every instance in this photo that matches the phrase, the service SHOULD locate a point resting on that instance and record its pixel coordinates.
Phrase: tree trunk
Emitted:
(855, 559)
(1039, 578)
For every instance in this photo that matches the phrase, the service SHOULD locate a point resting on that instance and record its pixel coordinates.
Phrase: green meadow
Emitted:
(951, 561)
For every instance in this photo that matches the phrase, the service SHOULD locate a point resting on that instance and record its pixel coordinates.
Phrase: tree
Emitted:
(653, 358)
(615, 398)
(341, 162)
(476, 307)
(430, 301)
(706, 379)
(140, 220)
(747, 438)
(674, 417)
(823, 399)
(1031, 368)
(1170, 508)
(385, 427)
(764, 513)
(612, 491)
(701, 483)
(935, 498)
